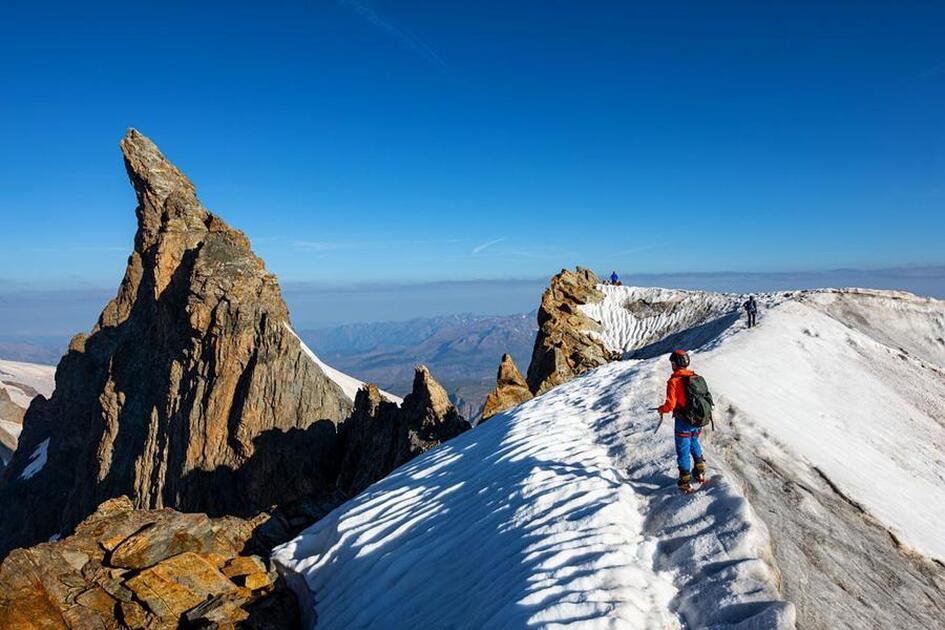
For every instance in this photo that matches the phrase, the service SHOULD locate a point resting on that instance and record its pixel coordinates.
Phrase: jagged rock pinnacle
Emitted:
(189, 388)
(510, 390)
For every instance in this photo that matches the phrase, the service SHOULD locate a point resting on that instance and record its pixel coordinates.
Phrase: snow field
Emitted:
(523, 521)
(14, 375)
(870, 418)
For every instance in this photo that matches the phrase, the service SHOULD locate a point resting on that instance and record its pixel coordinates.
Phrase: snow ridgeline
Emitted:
(532, 520)
(825, 374)
(564, 509)
(348, 384)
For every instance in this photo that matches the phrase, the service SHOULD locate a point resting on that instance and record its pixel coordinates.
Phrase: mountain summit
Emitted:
(183, 392)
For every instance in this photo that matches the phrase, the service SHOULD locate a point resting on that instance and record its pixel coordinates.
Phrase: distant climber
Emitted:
(689, 400)
(751, 308)
(614, 279)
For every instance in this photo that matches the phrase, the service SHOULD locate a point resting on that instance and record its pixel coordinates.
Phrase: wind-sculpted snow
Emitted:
(530, 521)
(644, 322)
(869, 417)
(896, 319)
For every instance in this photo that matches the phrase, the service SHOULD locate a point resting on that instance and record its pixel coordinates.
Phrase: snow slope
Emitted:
(532, 520)
(348, 384)
(831, 431)
(816, 378)
(23, 381)
(644, 322)
(893, 318)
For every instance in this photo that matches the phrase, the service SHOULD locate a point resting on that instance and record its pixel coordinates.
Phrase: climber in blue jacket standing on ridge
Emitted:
(614, 278)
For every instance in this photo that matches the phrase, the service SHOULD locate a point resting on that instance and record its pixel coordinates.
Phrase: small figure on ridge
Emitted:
(751, 308)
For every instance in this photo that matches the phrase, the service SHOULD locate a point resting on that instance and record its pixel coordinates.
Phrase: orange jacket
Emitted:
(675, 392)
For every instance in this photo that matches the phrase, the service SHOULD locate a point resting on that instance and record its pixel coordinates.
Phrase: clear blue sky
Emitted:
(381, 140)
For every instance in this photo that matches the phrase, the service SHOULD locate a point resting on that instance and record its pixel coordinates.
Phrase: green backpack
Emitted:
(698, 409)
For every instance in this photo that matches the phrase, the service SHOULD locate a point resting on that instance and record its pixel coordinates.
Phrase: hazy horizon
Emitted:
(60, 312)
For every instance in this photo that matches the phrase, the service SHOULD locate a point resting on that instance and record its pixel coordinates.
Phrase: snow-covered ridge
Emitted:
(893, 318)
(830, 374)
(564, 510)
(531, 520)
(636, 321)
(348, 384)
(23, 381)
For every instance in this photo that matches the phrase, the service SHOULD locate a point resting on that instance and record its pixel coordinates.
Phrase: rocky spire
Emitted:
(190, 392)
(563, 347)
(379, 437)
(510, 390)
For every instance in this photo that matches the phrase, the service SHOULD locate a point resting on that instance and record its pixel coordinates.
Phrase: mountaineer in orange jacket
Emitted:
(688, 448)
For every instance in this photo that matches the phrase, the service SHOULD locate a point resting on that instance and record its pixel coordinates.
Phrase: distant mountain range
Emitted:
(462, 350)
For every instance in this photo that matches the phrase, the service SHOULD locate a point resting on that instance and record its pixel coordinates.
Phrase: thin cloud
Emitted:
(320, 246)
(641, 248)
(401, 35)
(479, 248)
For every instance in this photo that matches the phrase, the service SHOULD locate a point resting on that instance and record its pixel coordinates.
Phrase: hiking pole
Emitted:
(658, 424)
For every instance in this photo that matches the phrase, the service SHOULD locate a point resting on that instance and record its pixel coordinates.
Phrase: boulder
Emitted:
(510, 390)
(73, 583)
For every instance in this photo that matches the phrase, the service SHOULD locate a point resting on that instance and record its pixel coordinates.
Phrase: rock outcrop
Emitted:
(563, 347)
(380, 436)
(127, 568)
(510, 390)
(12, 416)
(190, 392)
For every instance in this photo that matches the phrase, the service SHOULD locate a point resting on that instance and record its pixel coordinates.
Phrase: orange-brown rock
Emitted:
(563, 347)
(510, 390)
(177, 584)
(379, 436)
(73, 584)
(190, 392)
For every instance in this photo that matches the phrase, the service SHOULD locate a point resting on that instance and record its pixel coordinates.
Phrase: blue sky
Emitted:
(358, 141)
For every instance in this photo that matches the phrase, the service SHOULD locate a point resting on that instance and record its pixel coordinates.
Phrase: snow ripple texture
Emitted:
(530, 520)
(643, 322)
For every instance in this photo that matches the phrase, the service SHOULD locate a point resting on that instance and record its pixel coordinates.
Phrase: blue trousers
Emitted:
(687, 445)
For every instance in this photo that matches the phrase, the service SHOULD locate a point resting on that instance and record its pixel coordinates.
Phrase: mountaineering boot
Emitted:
(684, 481)
(699, 471)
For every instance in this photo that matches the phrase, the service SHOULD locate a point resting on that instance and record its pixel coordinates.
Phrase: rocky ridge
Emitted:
(563, 347)
(191, 392)
(380, 436)
(155, 569)
(190, 375)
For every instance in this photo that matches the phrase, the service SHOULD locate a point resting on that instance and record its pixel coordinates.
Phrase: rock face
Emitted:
(563, 349)
(13, 414)
(144, 569)
(190, 392)
(510, 390)
(379, 436)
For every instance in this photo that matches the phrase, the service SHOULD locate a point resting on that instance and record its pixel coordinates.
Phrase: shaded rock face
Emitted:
(563, 349)
(12, 413)
(144, 569)
(510, 390)
(190, 378)
(379, 436)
